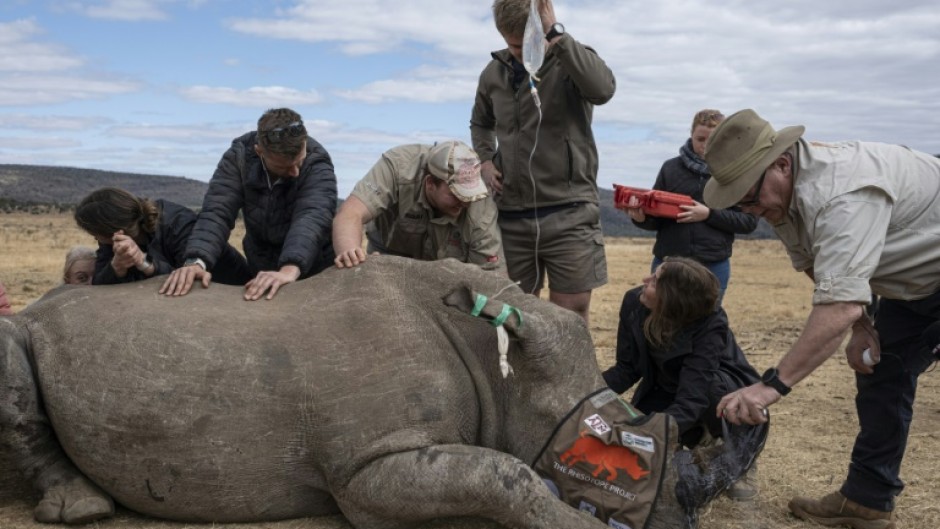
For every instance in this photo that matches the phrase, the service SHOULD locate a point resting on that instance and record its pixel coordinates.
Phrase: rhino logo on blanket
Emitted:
(603, 457)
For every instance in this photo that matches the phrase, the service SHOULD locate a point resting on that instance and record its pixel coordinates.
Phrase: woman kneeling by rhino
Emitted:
(139, 238)
(675, 339)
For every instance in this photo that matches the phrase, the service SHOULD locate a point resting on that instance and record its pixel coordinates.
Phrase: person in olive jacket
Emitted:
(699, 232)
(140, 238)
(540, 159)
(283, 183)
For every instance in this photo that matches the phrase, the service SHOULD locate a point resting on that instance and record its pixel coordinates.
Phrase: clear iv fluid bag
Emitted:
(533, 41)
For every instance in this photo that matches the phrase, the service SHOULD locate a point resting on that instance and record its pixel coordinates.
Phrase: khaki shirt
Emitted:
(405, 224)
(866, 218)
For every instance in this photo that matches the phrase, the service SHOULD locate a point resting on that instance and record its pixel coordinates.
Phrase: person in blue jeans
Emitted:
(702, 233)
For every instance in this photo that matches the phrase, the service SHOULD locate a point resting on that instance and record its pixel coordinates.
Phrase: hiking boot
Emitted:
(836, 509)
(745, 488)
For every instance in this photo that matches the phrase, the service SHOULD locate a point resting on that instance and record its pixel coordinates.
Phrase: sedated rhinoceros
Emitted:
(369, 391)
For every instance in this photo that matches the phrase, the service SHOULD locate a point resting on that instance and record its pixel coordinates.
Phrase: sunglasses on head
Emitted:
(291, 130)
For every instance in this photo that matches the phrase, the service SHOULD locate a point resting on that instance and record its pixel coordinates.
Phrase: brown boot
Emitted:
(745, 488)
(836, 509)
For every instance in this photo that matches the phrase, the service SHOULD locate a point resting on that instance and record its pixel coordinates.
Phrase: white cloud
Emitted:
(255, 97)
(48, 89)
(123, 10)
(434, 85)
(51, 122)
(37, 73)
(358, 27)
(19, 54)
(864, 69)
(670, 57)
(38, 143)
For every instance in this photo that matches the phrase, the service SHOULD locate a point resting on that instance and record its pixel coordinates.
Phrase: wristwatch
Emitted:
(147, 264)
(771, 378)
(555, 30)
(195, 261)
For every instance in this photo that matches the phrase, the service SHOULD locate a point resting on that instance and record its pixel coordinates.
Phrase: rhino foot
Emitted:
(75, 502)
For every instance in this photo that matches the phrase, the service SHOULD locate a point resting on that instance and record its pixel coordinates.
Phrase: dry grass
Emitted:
(813, 428)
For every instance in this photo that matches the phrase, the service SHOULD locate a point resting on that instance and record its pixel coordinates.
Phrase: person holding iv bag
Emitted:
(539, 158)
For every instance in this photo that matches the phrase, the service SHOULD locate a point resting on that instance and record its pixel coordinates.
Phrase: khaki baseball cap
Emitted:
(458, 165)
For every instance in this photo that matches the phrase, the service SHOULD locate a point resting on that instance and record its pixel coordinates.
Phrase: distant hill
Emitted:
(40, 188)
(27, 185)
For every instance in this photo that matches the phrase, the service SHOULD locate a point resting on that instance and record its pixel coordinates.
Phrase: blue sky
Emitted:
(162, 86)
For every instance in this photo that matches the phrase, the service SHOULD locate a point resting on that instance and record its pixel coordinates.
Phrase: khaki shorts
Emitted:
(570, 248)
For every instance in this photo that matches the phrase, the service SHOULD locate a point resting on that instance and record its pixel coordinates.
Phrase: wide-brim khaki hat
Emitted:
(457, 164)
(738, 152)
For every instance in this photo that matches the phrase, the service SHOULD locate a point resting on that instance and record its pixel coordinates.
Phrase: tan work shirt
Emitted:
(866, 218)
(405, 224)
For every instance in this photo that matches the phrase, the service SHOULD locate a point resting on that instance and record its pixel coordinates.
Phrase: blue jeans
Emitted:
(721, 269)
(885, 401)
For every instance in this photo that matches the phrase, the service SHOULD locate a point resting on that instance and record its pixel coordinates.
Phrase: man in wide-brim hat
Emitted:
(859, 218)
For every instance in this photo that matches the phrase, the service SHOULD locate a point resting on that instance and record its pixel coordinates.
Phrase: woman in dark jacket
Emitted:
(675, 340)
(140, 238)
(702, 233)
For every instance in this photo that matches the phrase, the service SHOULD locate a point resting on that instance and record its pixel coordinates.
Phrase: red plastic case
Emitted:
(654, 202)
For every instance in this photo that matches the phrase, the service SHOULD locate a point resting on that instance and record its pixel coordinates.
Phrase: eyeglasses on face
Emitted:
(291, 130)
(754, 199)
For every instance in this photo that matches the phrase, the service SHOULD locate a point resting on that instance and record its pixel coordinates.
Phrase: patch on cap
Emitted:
(456, 163)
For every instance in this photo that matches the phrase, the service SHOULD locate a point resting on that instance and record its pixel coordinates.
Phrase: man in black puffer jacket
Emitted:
(283, 182)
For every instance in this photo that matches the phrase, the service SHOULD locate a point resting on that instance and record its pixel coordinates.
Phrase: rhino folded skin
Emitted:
(354, 391)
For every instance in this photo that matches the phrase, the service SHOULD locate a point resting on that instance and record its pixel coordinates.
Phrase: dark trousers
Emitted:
(885, 401)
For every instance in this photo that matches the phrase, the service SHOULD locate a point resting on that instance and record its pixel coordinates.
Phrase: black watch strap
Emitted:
(555, 30)
(771, 378)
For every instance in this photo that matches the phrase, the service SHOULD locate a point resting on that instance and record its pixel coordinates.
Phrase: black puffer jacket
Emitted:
(707, 241)
(288, 221)
(704, 361)
(167, 247)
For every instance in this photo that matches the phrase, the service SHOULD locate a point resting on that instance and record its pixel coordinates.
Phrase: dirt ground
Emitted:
(767, 302)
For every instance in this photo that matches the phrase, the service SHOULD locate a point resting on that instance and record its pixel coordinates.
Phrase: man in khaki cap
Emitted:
(858, 218)
(424, 202)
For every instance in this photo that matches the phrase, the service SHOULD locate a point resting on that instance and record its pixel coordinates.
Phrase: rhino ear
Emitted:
(474, 303)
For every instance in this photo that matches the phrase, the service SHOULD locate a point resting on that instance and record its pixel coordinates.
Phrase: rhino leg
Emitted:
(28, 439)
(403, 489)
